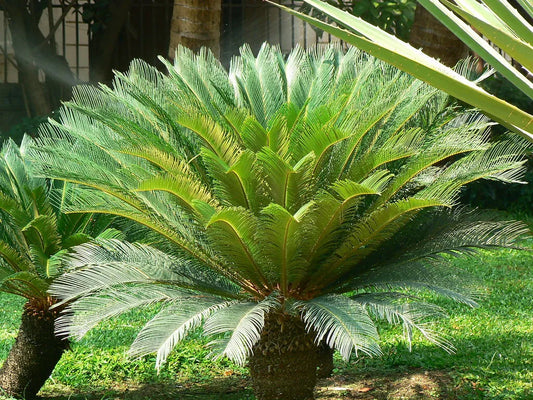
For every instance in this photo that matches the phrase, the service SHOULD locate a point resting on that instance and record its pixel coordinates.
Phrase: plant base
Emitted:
(284, 361)
(34, 355)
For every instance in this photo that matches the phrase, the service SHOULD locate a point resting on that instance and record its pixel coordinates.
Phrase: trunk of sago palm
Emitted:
(34, 355)
(284, 360)
(324, 361)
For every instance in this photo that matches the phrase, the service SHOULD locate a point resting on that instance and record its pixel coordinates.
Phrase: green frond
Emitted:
(368, 234)
(15, 209)
(331, 215)
(111, 263)
(41, 233)
(243, 323)
(289, 186)
(259, 83)
(230, 185)
(282, 236)
(342, 323)
(460, 232)
(14, 260)
(403, 144)
(87, 312)
(224, 143)
(246, 172)
(188, 80)
(168, 161)
(299, 72)
(182, 187)
(458, 140)
(172, 324)
(24, 283)
(53, 265)
(412, 315)
(435, 276)
(348, 191)
(232, 232)
(254, 135)
(502, 161)
(174, 227)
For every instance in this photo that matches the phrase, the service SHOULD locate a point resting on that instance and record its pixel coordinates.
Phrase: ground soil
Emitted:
(414, 384)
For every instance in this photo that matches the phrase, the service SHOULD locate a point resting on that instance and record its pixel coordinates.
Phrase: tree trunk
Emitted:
(104, 41)
(35, 55)
(195, 24)
(325, 361)
(34, 355)
(35, 91)
(435, 39)
(284, 361)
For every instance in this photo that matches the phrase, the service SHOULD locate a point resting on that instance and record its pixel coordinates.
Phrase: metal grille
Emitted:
(70, 38)
(146, 34)
(254, 22)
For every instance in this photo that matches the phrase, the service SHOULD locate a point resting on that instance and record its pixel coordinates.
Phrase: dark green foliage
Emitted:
(27, 126)
(393, 16)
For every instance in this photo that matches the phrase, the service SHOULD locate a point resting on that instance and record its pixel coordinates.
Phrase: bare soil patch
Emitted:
(409, 385)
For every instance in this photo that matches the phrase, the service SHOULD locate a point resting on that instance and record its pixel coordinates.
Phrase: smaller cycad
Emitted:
(293, 201)
(34, 235)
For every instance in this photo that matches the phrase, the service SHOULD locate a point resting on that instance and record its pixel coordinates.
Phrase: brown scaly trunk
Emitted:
(435, 39)
(34, 355)
(284, 361)
(325, 361)
(195, 24)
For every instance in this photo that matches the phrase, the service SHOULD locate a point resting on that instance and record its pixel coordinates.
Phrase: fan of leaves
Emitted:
(324, 185)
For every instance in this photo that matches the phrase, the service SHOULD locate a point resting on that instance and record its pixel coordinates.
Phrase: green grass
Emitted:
(493, 360)
(494, 343)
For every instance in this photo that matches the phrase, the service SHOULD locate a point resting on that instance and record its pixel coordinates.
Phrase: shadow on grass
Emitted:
(415, 384)
(225, 388)
(482, 368)
(411, 385)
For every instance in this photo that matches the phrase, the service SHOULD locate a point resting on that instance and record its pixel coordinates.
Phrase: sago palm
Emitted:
(34, 234)
(292, 201)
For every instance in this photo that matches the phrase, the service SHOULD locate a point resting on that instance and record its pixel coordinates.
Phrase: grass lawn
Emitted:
(494, 357)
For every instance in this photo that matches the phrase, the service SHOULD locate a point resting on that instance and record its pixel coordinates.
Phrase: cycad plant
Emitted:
(295, 200)
(34, 234)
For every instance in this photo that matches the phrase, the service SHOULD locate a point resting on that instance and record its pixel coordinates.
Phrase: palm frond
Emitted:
(111, 263)
(13, 259)
(412, 315)
(172, 324)
(342, 323)
(282, 235)
(232, 232)
(24, 283)
(87, 312)
(243, 323)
